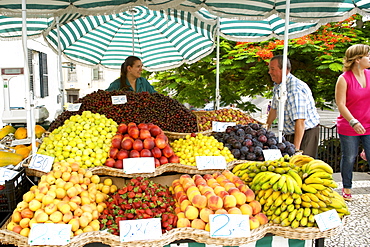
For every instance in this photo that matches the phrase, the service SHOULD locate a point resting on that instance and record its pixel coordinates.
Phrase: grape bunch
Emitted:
(246, 142)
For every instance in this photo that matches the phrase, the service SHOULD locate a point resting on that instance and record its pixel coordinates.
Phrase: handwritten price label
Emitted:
(21, 142)
(229, 225)
(139, 165)
(50, 234)
(272, 154)
(210, 162)
(328, 220)
(41, 162)
(7, 175)
(119, 99)
(141, 229)
(221, 126)
(74, 107)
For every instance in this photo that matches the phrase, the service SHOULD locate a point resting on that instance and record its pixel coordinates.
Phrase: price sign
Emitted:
(119, 99)
(229, 225)
(141, 229)
(221, 126)
(74, 107)
(139, 165)
(7, 175)
(328, 220)
(271, 154)
(180, 245)
(41, 162)
(21, 142)
(210, 162)
(50, 234)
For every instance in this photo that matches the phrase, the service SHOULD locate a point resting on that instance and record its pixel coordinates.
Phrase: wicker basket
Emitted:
(176, 135)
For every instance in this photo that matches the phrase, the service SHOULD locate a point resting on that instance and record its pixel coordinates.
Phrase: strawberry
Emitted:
(131, 194)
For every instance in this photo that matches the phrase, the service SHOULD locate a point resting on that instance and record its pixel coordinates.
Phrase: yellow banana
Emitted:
(245, 177)
(318, 186)
(281, 170)
(303, 221)
(330, 183)
(319, 164)
(290, 208)
(309, 188)
(260, 193)
(283, 207)
(306, 204)
(258, 177)
(292, 215)
(275, 195)
(299, 214)
(275, 178)
(281, 182)
(294, 224)
(335, 203)
(298, 201)
(290, 182)
(306, 212)
(321, 204)
(266, 177)
(315, 205)
(313, 197)
(310, 224)
(267, 193)
(284, 189)
(284, 196)
(269, 201)
(277, 220)
(314, 211)
(237, 168)
(311, 218)
(289, 200)
(343, 211)
(322, 197)
(261, 200)
(322, 175)
(305, 197)
(277, 211)
(294, 174)
(285, 222)
(278, 201)
(266, 186)
(284, 215)
(313, 180)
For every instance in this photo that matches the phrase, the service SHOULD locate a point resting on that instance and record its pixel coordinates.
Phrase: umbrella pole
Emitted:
(283, 93)
(218, 97)
(61, 85)
(28, 96)
(133, 34)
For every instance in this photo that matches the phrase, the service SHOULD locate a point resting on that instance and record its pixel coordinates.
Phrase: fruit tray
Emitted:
(199, 236)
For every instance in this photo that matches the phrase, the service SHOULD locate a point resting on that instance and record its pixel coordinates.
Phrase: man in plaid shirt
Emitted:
(301, 120)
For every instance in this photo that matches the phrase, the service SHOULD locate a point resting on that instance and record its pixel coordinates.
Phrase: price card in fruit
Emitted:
(139, 165)
(328, 220)
(41, 162)
(221, 126)
(272, 154)
(50, 234)
(229, 225)
(21, 142)
(119, 99)
(74, 107)
(7, 175)
(141, 229)
(210, 162)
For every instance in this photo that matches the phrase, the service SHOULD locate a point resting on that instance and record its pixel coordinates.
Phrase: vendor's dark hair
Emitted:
(128, 62)
(279, 58)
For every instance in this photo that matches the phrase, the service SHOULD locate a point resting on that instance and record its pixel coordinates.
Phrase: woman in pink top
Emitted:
(352, 96)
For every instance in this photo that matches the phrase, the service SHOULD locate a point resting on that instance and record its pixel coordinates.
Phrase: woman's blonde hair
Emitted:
(354, 52)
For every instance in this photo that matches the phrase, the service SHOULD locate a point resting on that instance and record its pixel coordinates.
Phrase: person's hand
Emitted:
(359, 128)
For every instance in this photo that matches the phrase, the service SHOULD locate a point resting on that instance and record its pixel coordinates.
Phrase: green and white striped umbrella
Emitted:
(162, 39)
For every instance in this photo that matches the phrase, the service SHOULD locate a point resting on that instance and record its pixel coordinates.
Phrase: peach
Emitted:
(67, 217)
(253, 222)
(56, 217)
(191, 212)
(178, 188)
(240, 197)
(192, 188)
(75, 199)
(218, 188)
(175, 182)
(64, 207)
(192, 194)
(234, 210)
(256, 206)
(188, 183)
(205, 188)
(221, 211)
(179, 194)
(66, 176)
(95, 225)
(50, 208)
(180, 215)
(17, 229)
(229, 201)
(34, 205)
(84, 221)
(78, 212)
(207, 227)
(209, 193)
(250, 195)
(28, 196)
(16, 217)
(211, 181)
(229, 185)
(22, 205)
(71, 192)
(262, 218)
(47, 199)
(222, 194)
(243, 188)
(214, 202)
(198, 224)
(182, 177)
(25, 232)
(73, 205)
(27, 213)
(11, 225)
(41, 217)
(199, 201)
(246, 209)
(204, 214)
(183, 222)
(75, 224)
(220, 178)
(25, 222)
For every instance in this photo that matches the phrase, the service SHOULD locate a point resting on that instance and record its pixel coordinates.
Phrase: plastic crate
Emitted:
(13, 191)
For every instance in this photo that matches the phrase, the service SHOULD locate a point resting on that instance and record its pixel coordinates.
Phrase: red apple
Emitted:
(118, 164)
(134, 132)
(146, 153)
(113, 153)
(156, 162)
(155, 130)
(110, 162)
(163, 160)
(137, 145)
(174, 159)
(157, 153)
(127, 144)
(122, 128)
(143, 126)
(122, 154)
(163, 136)
(116, 141)
(160, 142)
(134, 154)
(144, 133)
(148, 143)
(167, 151)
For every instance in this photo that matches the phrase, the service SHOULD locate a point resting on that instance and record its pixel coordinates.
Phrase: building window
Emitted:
(72, 95)
(97, 74)
(38, 73)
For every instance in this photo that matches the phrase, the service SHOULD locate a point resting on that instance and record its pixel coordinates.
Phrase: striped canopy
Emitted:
(162, 39)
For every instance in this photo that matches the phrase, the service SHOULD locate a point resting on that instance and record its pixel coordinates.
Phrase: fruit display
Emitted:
(223, 115)
(142, 140)
(68, 194)
(199, 145)
(156, 108)
(246, 142)
(85, 138)
(199, 196)
(140, 198)
(293, 192)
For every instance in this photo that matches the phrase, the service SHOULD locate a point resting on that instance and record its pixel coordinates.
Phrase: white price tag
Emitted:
(74, 107)
(139, 165)
(21, 142)
(41, 162)
(229, 225)
(210, 162)
(7, 175)
(328, 220)
(271, 154)
(221, 126)
(179, 245)
(50, 234)
(141, 229)
(119, 99)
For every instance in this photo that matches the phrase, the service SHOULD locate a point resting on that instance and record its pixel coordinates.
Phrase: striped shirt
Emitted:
(299, 105)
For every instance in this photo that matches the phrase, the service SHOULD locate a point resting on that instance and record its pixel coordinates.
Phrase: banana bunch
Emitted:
(317, 176)
(290, 182)
(300, 159)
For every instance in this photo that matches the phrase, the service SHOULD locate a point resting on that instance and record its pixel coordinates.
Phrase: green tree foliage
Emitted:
(316, 59)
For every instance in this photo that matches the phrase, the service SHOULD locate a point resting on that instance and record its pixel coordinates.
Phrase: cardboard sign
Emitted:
(7, 175)
(271, 154)
(221, 126)
(139, 165)
(41, 162)
(119, 99)
(328, 220)
(74, 107)
(210, 162)
(229, 225)
(140, 229)
(50, 234)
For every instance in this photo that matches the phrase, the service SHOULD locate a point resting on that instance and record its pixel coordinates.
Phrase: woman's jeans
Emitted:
(350, 149)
